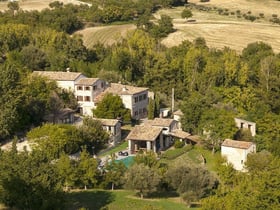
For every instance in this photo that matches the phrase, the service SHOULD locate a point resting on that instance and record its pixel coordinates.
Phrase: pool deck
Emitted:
(117, 157)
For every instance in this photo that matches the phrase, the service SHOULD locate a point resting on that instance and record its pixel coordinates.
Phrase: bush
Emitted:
(261, 15)
(178, 143)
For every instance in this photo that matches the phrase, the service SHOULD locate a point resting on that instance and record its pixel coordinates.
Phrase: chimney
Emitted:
(68, 69)
(124, 88)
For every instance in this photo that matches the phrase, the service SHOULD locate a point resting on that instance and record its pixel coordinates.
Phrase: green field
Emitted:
(120, 200)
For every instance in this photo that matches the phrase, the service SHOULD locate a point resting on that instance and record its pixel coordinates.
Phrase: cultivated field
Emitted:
(36, 4)
(268, 7)
(218, 30)
(105, 34)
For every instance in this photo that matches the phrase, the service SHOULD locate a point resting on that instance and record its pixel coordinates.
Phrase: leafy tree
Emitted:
(142, 178)
(29, 181)
(193, 110)
(258, 162)
(14, 36)
(67, 171)
(114, 173)
(10, 99)
(37, 92)
(217, 124)
(87, 170)
(192, 180)
(93, 136)
(151, 109)
(164, 27)
(34, 58)
(13, 6)
(253, 54)
(253, 191)
(55, 139)
(111, 107)
(226, 173)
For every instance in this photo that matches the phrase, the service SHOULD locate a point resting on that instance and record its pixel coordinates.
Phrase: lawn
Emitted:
(193, 155)
(120, 200)
(120, 147)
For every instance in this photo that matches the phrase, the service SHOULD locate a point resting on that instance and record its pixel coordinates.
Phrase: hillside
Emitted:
(218, 30)
(105, 34)
(36, 4)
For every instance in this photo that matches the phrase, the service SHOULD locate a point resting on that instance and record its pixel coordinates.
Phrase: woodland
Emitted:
(212, 86)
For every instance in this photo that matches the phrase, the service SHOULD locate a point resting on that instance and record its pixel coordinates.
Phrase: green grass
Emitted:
(115, 149)
(120, 200)
(210, 158)
(173, 153)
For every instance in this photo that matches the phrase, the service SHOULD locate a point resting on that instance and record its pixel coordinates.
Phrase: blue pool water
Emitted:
(127, 161)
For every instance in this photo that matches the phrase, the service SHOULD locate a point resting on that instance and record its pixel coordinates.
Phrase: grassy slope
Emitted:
(119, 200)
(220, 31)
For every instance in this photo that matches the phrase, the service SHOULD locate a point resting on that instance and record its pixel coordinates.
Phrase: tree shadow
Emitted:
(164, 194)
(89, 199)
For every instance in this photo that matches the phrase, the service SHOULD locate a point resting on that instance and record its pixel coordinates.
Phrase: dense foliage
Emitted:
(211, 87)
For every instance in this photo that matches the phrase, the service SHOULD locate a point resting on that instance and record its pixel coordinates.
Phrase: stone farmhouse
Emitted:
(134, 98)
(236, 152)
(156, 135)
(113, 127)
(90, 91)
(244, 124)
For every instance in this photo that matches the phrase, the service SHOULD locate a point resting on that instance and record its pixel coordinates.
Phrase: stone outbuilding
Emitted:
(236, 152)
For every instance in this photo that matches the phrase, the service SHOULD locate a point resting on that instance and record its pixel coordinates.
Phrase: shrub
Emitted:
(261, 15)
(274, 15)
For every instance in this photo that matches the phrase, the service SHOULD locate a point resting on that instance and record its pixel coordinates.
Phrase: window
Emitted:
(80, 88)
(80, 98)
(94, 87)
(87, 98)
(102, 84)
(87, 88)
(144, 96)
(140, 98)
(241, 161)
(136, 113)
(144, 110)
(249, 127)
(136, 99)
(241, 125)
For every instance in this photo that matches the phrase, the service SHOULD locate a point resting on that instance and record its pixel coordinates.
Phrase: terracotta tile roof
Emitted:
(108, 122)
(99, 97)
(86, 81)
(164, 122)
(58, 75)
(180, 134)
(237, 144)
(194, 138)
(144, 133)
(120, 89)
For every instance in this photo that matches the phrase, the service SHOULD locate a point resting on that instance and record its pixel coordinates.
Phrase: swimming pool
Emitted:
(128, 161)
